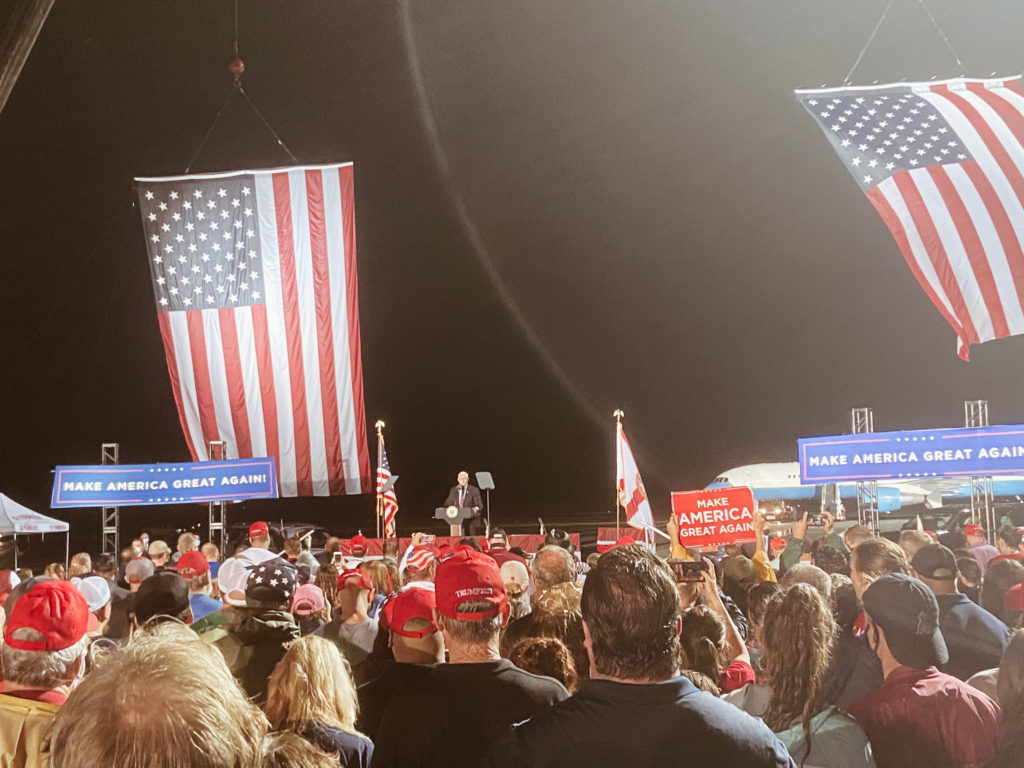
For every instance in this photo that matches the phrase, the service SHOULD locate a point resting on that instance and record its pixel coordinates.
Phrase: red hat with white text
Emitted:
(469, 575)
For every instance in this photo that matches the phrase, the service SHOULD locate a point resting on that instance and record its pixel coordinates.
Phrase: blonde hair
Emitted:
(81, 565)
(55, 570)
(312, 682)
(199, 718)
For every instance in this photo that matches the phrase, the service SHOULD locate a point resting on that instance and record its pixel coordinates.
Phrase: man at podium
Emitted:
(464, 495)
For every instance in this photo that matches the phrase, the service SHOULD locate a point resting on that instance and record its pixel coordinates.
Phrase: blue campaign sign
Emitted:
(972, 451)
(125, 485)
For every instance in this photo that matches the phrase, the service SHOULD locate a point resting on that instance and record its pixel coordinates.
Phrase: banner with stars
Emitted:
(943, 164)
(254, 275)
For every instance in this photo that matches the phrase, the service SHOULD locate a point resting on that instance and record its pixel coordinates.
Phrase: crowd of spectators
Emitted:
(846, 651)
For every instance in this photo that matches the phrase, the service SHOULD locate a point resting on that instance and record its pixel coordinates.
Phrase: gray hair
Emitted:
(553, 565)
(39, 669)
(811, 575)
(473, 632)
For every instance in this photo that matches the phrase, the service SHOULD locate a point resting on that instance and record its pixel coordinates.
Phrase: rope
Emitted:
(871, 39)
(273, 133)
(942, 34)
(206, 138)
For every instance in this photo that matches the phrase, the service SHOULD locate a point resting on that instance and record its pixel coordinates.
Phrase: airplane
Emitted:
(777, 485)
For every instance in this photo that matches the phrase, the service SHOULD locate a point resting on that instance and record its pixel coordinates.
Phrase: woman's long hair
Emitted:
(1010, 689)
(798, 634)
(703, 639)
(312, 682)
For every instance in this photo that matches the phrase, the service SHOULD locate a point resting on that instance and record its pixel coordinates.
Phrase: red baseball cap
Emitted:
(55, 609)
(411, 604)
(358, 543)
(419, 559)
(1013, 598)
(974, 529)
(192, 564)
(353, 574)
(469, 575)
(777, 541)
(258, 529)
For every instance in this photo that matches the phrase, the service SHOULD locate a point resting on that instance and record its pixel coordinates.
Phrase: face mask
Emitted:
(137, 549)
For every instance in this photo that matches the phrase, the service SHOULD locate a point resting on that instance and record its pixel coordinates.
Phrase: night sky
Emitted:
(562, 209)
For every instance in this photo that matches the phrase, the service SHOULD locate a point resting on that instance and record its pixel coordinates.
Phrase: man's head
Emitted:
(559, 538)
(1008, 540)
(138, 548)
(187, 542)
(332, 545)
(631, 616)
(194, 568)
(165, 594)
(353, 593)
(911, 541)
(259, 535)
(812, 575)
(974, 533)
(210, 551)
(105, 565)
(903, 622)
(45, 641)
(498, 538)
(271, 586)
(463, 478)
(96, 591)
(419, 566)
(159, 553)
(293, 546)
(471, 606)
(308, 601)
(553, 565)
(935, 565)
(174, 702)
(137, 571)
(856, 534)
(415, 637)
(872, 559)
(358, 545)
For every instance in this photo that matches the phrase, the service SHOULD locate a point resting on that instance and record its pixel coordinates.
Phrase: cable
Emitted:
(942, 34)
(216, 120)
(871, 38)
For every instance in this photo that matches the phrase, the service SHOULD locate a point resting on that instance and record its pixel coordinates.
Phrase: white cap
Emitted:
(94, 589)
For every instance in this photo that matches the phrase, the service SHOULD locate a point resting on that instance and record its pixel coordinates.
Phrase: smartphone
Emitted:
(688, 570)
(338, 559)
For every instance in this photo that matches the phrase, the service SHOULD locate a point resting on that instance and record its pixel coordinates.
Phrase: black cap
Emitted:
(934, 561)
(164, 593)
(907, 611)
(271, 584)
(559, 538)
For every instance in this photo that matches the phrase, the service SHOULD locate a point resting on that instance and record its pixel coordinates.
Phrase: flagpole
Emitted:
(380, 451)
(618, 414)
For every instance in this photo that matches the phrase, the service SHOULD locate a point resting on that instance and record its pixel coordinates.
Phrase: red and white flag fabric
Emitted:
(254, 274)
(632, 495)
(943, 164)
(387, 501)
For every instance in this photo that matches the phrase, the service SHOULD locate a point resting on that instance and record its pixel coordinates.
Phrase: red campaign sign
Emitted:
(713, 517)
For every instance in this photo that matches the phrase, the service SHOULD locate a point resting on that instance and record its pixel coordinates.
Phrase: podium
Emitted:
(454, 516)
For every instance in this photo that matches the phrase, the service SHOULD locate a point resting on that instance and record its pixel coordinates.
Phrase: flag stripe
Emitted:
(172, 369)
(201, 375)
(961, 240)
(306, 310)
(249, 381)
(918, 211)
(265, 375)
(998, 239)
(913, 251)
(348, 414)
(355, 397)
(186, 375)
(218, 381)
(293, 335)
(234, 381)
(324, 336)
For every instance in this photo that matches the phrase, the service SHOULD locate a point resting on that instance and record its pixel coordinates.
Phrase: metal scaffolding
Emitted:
(982, 507)
(109, 453)
(218, 509)
(862, 420)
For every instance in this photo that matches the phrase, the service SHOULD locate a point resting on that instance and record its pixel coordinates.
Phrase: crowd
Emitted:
(834, 650)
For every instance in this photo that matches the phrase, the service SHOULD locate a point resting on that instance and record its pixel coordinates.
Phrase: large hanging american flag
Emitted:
(387, 502)
(943, 164)
(254, 274)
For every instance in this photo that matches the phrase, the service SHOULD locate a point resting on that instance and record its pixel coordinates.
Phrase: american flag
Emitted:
(254, 274)
(943, 164)
(387, 501)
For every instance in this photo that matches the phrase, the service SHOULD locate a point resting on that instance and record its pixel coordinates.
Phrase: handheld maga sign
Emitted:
(123, 485)
(713, 517)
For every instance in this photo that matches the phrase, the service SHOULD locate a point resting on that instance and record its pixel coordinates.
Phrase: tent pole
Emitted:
(67, 547)
(15, 551)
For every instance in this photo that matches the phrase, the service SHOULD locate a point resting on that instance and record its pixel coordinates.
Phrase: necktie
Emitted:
(462, 496)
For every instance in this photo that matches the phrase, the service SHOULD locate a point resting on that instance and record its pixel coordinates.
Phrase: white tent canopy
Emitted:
(16, 519)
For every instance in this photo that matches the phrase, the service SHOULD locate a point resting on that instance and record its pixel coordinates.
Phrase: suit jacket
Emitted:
(472, 497)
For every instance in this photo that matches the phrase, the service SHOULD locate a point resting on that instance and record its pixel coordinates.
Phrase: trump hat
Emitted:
(469, 575)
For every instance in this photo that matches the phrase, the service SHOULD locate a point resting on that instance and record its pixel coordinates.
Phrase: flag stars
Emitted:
(179, 238)
(245, 190)
(844, 143)
(155, 238)
(203, 236)
(161, 280)
(206, 257)
(218, 268)
(173, 290)
(211, 205)
(224, 214)
(235, 203)
(248, 211)
(200, 215)
(152, 217)
(855, 162)
(867, 179)
(182, 259)
(149, 195)
(207, 279)
(249, 233)
(158, 259)
(163, 301)
(197, 194)
(168, 248)
(165, 227)
(187, 205)
(221, 192)
(173, 195)
(189, 226)
(238, 223)
(256, 295)
(216, 247)
(162, 206)
(172, 270)
(863, 147)
(220, 289)
(873, 163)
(890, 166)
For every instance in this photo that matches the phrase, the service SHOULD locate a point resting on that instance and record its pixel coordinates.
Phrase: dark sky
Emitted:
(562, 208)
